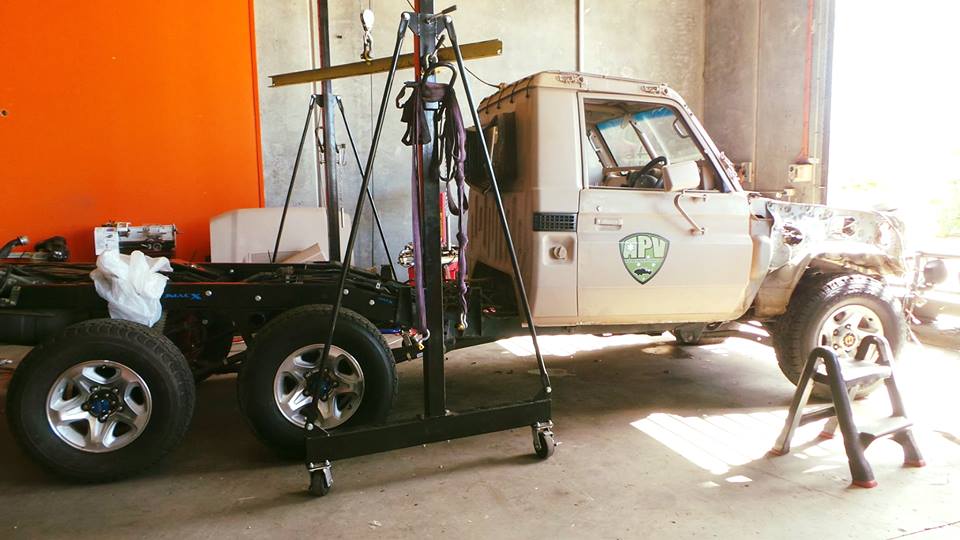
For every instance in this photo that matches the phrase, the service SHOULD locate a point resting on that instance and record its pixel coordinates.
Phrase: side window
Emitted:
(630, 142)
(501, 136)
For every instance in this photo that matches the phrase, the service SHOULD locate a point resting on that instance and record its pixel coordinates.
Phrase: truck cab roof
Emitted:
(575, 81)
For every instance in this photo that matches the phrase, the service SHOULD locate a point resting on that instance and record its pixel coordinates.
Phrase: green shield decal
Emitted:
(643, 255)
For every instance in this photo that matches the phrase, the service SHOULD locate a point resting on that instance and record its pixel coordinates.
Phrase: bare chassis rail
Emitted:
(247, 295)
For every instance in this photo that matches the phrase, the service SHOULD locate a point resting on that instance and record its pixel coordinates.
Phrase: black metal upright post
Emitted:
(331, 189)
(434, 387)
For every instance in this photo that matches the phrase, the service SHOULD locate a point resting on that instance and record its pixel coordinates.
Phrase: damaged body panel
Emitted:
(831, 240)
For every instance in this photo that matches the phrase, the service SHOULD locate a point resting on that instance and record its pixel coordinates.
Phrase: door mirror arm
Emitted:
(696, 229)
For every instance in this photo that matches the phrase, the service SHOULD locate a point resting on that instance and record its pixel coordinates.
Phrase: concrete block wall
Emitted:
(661, 40)
(755, 67)
(285, 42)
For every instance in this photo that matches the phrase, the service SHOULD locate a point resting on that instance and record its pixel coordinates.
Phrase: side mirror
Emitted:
(681, 176)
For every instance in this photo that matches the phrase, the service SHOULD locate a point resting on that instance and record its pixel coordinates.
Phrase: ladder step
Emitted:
(874, 429)
(856, 373)
(817, 414)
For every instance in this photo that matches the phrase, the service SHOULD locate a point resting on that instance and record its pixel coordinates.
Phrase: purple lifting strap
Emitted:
(450, 149)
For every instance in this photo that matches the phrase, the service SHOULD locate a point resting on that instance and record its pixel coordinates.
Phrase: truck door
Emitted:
(662, 237)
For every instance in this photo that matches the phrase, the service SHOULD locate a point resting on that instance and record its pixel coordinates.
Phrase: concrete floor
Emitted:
(658, 441)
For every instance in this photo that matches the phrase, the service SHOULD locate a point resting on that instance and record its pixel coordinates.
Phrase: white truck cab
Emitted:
(627, 217)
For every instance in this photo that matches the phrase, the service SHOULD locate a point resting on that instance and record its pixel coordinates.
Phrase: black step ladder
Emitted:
(845, 378)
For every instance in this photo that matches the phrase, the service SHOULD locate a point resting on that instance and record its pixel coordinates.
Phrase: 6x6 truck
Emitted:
(626, 218)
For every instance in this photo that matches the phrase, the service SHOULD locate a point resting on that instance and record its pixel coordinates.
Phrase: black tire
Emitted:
(205, 346)
(302, 327)
(154, 358)
(795, 333)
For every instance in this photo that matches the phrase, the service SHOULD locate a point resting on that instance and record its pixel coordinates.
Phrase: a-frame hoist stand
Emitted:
(437, 423)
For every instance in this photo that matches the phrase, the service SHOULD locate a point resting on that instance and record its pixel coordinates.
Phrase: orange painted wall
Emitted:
(134, 111)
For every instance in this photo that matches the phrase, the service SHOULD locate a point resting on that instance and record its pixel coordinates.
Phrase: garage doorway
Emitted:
(895, 115)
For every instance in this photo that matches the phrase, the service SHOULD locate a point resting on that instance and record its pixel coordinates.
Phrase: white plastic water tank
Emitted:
(248, 234)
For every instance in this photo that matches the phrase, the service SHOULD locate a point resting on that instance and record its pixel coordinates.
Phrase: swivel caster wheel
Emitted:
(321, 479)
(544, 443)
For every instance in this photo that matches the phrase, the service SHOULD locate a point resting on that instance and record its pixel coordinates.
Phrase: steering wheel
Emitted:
(643, 179)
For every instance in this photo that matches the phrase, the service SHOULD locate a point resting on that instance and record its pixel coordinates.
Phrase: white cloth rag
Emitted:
(131, 285)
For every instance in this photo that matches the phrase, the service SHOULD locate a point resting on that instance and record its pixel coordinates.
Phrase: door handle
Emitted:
(608, 223)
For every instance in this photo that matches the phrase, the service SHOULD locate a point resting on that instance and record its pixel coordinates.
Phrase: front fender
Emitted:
(805, 236)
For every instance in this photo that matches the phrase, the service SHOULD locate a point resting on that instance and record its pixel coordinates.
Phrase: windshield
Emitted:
(629, 144)
(632, 137)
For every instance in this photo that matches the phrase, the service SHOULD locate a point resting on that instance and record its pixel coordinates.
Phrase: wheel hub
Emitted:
(102, 403)
(846, 326)
(339, 386)
(327, 384)
(99, 406)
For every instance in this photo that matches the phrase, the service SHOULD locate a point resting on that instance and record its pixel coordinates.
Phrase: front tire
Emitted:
(836, 312)
(362, 376)
(102, 400)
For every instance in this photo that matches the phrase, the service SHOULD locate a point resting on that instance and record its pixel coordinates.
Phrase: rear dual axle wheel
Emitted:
(357, 380)
(102, 400)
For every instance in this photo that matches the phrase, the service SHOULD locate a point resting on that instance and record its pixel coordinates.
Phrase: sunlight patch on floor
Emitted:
(718, 443)
(570, 345)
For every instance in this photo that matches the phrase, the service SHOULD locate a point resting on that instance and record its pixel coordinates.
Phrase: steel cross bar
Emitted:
(471, 51)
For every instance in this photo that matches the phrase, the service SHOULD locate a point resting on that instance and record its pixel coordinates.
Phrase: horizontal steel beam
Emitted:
(480, 49)
(373, 439)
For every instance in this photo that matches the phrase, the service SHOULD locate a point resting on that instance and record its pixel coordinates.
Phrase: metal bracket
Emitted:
(340, 150)
(697, 229)
(419, 21)
(542, 427)
(326, 468)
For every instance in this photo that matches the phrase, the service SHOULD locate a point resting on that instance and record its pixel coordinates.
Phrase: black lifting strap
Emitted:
(449, 150)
